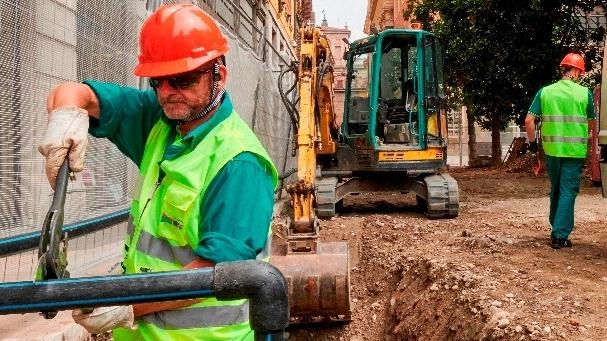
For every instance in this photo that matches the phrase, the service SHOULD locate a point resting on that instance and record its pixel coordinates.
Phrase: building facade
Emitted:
(336, 37)
(269, 27)
(383, 14)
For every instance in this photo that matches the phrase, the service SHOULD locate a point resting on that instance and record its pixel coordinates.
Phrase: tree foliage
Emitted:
(498, 53)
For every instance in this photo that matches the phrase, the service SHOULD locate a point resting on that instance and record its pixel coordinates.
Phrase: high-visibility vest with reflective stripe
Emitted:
(164, 230)
(564, 119)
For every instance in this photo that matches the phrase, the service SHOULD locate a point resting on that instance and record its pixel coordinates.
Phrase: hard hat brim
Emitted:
(167, 68)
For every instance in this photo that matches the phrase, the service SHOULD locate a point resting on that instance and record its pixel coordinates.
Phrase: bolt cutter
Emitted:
(52, 250)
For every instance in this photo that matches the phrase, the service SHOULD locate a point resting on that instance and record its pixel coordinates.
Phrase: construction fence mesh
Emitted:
(46, 42)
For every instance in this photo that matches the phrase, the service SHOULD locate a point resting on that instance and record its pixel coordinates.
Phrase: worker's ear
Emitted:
(222, 75)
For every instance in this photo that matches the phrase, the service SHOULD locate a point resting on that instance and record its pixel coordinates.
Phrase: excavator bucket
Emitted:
(318, 280)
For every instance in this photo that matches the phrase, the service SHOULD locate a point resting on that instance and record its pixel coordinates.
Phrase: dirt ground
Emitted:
(489, 274)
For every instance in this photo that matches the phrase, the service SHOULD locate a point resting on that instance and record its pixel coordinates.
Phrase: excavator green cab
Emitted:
(394, 131)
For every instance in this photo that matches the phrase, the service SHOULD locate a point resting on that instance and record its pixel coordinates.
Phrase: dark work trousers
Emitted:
(565, 175)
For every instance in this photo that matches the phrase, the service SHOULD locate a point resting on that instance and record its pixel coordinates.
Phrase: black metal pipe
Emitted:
(25, 242)
(260, 282)
(71, 293)
(266, 288)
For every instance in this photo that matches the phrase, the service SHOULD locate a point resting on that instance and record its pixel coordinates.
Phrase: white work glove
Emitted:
(67, 130)
(103, 319)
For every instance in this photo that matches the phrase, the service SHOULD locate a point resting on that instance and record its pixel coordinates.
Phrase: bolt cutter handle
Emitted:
(52, 250)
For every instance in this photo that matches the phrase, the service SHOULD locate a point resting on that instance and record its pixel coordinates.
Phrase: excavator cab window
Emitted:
(434, 90)
(397, 102)
(358, 119)
(395, 91)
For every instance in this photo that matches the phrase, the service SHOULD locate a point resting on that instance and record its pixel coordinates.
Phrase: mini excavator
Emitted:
(393, 138)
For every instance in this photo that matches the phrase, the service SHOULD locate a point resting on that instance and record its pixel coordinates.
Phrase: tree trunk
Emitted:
(496, 143)
(471, 135)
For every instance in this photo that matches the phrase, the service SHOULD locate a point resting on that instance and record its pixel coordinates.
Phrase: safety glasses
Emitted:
(181, 81)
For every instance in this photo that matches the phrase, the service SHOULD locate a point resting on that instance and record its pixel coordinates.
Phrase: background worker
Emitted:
(205, 193)
(566, 110)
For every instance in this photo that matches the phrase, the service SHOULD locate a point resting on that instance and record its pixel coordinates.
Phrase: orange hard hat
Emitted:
(178, 38)
(574, 60)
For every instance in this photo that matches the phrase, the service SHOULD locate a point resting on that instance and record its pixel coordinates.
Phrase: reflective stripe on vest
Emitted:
(164, 229)
(562, 139)
(162, 249)
(564, 119)
(183, 255)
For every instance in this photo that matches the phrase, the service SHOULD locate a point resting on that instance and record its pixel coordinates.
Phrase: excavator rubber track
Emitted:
(442, 200)
(325, 197)
(437, 194)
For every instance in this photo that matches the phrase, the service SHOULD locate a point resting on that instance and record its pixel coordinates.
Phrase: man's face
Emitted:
(184, 95)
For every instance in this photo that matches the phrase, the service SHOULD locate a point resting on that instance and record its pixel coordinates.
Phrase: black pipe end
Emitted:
(263, 284)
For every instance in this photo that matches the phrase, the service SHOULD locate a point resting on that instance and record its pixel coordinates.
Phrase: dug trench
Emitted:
(488, 274)
(416, 298)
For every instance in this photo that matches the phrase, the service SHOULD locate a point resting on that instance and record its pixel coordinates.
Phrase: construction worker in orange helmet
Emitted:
(574, 60)
(202, 198)
(566, 110)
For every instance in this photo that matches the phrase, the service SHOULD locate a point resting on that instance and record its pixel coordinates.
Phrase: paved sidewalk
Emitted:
(33, 327)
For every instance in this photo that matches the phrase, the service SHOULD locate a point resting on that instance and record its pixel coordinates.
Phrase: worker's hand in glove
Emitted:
(66, 136)
(533, 146)
(103, 319)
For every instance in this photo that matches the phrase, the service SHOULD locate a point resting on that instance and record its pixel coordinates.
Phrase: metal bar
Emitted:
(53, 240)
(64, 294)
(63, 177)
(30, 241)
(260, 282)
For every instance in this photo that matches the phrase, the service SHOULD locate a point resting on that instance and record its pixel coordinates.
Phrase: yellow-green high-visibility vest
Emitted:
(564, 119)
(164, 229)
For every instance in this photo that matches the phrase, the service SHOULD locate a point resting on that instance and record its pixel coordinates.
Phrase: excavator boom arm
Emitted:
(316, 129)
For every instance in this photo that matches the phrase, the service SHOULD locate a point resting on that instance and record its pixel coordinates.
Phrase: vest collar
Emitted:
(198, 133)
(177, 144)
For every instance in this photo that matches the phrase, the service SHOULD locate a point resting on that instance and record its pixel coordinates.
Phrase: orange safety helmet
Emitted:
(574, 60)
(178, 38)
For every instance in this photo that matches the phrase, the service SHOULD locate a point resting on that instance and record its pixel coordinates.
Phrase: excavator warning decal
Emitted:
(410, 155)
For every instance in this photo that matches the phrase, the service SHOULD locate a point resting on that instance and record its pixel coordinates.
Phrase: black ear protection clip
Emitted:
(216, 76)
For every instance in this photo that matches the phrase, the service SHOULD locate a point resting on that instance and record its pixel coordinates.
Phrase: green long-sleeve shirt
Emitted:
(239, 201)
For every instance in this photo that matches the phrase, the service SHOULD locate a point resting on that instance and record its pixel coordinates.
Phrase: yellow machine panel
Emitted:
(411, 155)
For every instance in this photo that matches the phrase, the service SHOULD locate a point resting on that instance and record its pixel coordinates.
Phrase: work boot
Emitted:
(558, 243)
